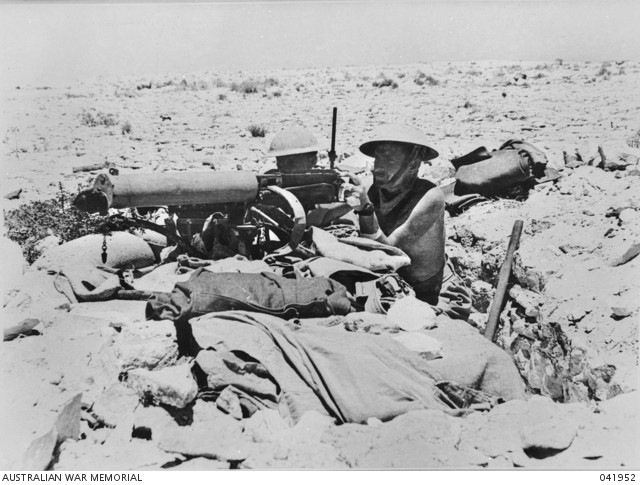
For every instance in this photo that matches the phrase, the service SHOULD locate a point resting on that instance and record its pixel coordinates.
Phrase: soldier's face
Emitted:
(300, 162)
(390, 158)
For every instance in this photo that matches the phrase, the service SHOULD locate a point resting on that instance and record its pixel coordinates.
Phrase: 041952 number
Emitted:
(617, 477)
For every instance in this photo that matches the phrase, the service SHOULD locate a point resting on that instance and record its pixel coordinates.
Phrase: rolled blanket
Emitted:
(362, 252)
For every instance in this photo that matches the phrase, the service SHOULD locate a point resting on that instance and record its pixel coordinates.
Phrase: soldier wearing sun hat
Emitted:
(408, 212)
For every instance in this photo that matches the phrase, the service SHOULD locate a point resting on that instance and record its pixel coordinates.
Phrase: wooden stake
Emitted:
(505, 273)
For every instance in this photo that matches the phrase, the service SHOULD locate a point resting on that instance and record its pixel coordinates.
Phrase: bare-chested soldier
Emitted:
(405, 211)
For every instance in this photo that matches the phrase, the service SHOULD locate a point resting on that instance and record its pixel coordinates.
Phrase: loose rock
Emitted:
(229, 403)
(628, 215)
(478, 320)
(629, 253)
(14, 264)
(174, 386)
(419, 439)
(148, 345)
(311, 427)
(150, 421)
(482, 295)
(265, 426)
(114, 403)
(206, 412)
(527, 299)
(620, 312)
(222, 443)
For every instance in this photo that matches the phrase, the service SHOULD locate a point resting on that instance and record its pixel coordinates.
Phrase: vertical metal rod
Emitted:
(332, 152)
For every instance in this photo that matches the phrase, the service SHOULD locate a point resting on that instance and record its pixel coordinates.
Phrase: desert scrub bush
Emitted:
(13, 130)
(74, 95)
(89, 118)
(219, 83)
(250, 86)
(125, 128)
(604, 71)
(222, 97)
(31, 222)
(185, 85)
(634, 140)
(421, 79)
(125, 93)
(385, 82)
(257, 131)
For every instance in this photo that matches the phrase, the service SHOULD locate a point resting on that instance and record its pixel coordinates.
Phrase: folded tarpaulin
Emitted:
(351, 376)
(206, 292)
(471, 360)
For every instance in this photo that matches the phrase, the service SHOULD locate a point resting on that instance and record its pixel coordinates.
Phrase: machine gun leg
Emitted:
(171, 234)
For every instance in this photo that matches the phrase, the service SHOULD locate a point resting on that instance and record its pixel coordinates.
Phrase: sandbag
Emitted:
(124, 251)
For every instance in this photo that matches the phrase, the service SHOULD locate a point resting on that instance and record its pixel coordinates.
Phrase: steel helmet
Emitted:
(293, 141)
(398, 133)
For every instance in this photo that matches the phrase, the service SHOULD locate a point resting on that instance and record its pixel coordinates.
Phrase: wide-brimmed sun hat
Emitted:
(293, 141)
(396, 132)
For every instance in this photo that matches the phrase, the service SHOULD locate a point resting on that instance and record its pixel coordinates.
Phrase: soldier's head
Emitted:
(295, 150)
(398, 150)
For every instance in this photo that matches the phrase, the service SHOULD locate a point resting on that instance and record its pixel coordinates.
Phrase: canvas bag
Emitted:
(206, 292)
(515, 162)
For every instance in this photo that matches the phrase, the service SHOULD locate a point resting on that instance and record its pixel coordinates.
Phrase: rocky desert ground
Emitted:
(570, 323)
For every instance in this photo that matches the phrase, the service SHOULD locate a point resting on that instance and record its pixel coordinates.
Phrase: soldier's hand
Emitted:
(355, 192)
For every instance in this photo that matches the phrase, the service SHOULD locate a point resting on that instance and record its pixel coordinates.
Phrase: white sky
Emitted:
(56, 43)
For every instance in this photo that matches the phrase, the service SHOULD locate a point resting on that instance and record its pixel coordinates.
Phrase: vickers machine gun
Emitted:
(237, 211)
